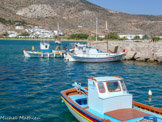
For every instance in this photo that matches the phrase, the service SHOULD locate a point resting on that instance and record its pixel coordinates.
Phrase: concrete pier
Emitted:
(135, 50)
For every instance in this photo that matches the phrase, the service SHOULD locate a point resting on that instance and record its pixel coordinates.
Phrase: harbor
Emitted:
(30, 87)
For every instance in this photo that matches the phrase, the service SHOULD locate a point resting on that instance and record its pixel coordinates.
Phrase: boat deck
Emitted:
(126, 114)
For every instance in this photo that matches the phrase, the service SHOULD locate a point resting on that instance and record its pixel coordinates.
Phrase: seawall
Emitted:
(140, 51)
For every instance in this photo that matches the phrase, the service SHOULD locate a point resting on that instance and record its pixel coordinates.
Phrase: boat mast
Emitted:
(107, 37)
(96, 27)
(58, 32)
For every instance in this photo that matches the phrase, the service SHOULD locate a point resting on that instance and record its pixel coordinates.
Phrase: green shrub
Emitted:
(136, 38)
(5, 34)
(79, 36)
(156, 38)
(24, 34)
(113, 36)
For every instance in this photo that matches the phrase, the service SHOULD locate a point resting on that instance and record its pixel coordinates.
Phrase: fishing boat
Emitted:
(89, 54)
(44, 51)
(106, 99)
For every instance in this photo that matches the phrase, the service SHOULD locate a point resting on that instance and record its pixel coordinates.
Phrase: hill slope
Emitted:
(71, 13)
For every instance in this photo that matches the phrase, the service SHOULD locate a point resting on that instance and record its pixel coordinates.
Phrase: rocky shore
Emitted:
(140, 51)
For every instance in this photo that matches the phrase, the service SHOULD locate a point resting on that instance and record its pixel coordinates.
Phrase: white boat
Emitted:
(83, 53)
(106, 99)
(44, 51)
(58, 42)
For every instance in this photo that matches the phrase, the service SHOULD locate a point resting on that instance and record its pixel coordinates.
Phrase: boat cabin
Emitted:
(107, 94)
(44, 46)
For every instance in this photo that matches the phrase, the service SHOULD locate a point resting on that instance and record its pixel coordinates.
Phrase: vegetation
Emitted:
(156, 38)
(145, 37)
(136, 38)
(5, 22)
(93, 38)
(5, 34)
(20, 23)
(113, 36)
(79, 36)
(9, 22)
(24, 34)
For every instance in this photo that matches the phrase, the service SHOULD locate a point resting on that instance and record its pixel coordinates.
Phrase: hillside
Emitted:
(71, 13)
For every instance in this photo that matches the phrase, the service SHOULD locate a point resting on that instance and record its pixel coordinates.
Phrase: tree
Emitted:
(156, 38)
(136, 38)
(113, 36)
(5, 34)
(79, 36)
(25, 34)
(145, 37)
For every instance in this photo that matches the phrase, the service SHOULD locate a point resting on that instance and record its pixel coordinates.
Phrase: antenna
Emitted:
(107, 37)
(96, 27)
(58, 31)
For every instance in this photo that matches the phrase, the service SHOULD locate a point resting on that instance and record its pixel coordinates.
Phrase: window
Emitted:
(113, 86)
(123, 86)
(101, 87)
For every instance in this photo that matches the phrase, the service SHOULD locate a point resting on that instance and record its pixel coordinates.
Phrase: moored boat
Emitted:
(44, 51)
(83, 53)
(106, 99)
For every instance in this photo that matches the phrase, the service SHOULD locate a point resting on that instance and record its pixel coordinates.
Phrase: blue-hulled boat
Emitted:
(44, 51)
(107, 100)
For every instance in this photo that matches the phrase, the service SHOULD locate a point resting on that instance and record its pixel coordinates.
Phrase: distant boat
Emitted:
(106, 99)
(87, 54)
(57, 42)
(44, 51)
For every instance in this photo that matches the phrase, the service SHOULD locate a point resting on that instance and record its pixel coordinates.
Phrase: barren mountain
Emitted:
(72, 13)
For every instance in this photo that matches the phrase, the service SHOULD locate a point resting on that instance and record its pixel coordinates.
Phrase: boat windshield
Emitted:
(101, 87)
(123, 85)
(113, 86)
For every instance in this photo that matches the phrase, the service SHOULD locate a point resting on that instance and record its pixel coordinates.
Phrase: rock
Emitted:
(158, 56)
(140, 51)
(144, 55)
(37, 11)
(130, 55)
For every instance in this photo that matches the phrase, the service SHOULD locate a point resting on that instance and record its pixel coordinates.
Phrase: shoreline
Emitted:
(43, 39)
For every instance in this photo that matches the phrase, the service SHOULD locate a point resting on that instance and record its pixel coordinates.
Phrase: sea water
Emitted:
(30, 87)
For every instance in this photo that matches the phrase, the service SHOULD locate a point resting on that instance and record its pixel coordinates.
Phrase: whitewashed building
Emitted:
(12, 33)
(42, 33)
(60, 32)
(19, 28)
(131, 36)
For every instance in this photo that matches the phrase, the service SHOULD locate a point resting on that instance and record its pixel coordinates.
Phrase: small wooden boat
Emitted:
(107, 100)
(44, 51)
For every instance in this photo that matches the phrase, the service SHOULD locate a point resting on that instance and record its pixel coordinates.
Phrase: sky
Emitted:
(149, 7)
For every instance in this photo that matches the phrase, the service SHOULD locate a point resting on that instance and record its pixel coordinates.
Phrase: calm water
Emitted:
(31, 86)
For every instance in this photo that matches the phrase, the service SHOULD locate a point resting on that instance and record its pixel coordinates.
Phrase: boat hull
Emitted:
(112, 58)
(75, 114)
(82, 114)
(36, 54)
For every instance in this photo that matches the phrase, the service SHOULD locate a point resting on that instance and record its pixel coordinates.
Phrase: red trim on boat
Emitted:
(92, 79)
(147, 107)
